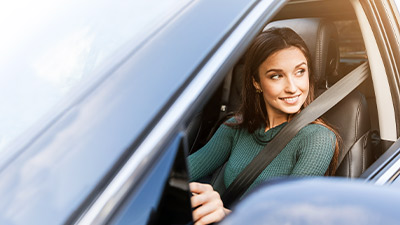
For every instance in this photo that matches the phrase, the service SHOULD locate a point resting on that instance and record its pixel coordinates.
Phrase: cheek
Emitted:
(271, 90)
(304, 84)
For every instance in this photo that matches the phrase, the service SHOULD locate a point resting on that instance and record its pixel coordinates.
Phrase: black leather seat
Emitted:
(351, 119)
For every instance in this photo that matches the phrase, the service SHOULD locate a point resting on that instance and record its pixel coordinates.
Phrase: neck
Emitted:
(275, 121)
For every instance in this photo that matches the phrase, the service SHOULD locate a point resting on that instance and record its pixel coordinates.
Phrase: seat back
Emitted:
(350, 118)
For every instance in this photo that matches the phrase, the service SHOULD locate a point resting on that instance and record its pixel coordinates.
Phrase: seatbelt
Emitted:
(225, 94)
(316, 109)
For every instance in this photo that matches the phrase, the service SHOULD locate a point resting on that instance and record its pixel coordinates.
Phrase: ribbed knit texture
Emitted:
(309, 153)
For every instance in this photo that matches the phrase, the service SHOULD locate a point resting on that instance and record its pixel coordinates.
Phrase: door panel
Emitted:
(163, 196)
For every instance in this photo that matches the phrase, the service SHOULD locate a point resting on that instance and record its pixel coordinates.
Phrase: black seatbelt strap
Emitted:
(226, 89)
(316, 109)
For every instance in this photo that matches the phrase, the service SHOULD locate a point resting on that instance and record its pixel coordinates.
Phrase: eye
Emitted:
(275, 76)
(300, 72)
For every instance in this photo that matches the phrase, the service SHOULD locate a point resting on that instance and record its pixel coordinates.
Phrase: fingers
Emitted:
(199, 187)
(213, 217)
(209, 202)
(211, 211)
(202, 193)
(210, 207)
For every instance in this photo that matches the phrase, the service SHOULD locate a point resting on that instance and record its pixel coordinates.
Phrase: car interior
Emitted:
(331, 30)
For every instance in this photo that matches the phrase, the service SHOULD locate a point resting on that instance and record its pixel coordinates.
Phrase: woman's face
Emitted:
(284, 82)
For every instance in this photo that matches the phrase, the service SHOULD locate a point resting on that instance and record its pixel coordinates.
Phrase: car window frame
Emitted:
(381, 19)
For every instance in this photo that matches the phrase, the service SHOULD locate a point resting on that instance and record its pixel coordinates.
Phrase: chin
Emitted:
(291, 110)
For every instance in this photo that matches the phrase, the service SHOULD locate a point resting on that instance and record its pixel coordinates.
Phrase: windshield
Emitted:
(49, 47)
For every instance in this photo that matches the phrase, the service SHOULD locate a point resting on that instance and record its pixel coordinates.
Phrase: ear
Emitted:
(256, 84)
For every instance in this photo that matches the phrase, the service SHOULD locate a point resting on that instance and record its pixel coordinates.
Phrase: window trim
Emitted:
(384, 100)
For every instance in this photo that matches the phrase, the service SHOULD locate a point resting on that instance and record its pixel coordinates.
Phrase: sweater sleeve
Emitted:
(212, 155)
(317, 146)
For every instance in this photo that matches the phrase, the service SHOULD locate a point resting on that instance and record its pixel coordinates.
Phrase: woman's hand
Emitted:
(210, 208)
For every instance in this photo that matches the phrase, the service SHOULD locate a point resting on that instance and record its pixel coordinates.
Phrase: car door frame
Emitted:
(383, 18)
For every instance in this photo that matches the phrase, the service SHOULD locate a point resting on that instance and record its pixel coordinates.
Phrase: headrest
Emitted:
(321, 38)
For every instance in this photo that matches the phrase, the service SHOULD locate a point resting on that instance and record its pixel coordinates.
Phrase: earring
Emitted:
(258, 91)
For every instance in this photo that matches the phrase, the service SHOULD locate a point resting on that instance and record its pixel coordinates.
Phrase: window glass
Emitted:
(351, 45)
(48, 47)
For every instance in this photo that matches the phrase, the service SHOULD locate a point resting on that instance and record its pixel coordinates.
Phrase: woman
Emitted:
(278, 84)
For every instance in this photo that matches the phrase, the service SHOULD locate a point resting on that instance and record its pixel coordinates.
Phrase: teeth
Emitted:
(291, 100)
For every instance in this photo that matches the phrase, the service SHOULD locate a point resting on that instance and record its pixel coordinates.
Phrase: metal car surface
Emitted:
(318, 201)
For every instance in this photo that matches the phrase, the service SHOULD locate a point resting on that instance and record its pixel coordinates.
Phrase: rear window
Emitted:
(49, 47)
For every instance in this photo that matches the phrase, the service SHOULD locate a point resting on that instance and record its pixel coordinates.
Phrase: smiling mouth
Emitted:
(290, 100)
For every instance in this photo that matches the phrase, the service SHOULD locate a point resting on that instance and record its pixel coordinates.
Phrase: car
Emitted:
(103, 101)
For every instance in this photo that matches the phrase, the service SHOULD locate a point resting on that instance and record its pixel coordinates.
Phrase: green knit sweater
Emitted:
(309, 153)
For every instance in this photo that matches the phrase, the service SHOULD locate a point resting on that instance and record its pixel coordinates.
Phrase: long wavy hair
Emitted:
(252, 114)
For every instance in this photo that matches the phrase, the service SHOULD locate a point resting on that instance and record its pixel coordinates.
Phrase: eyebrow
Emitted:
(279, 70)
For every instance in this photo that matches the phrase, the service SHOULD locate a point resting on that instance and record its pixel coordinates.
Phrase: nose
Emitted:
(290, 86)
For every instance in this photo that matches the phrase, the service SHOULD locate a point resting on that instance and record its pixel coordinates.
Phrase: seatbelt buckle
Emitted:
(223, 108)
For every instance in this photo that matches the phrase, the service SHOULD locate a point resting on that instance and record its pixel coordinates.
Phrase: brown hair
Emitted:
(252, 114)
